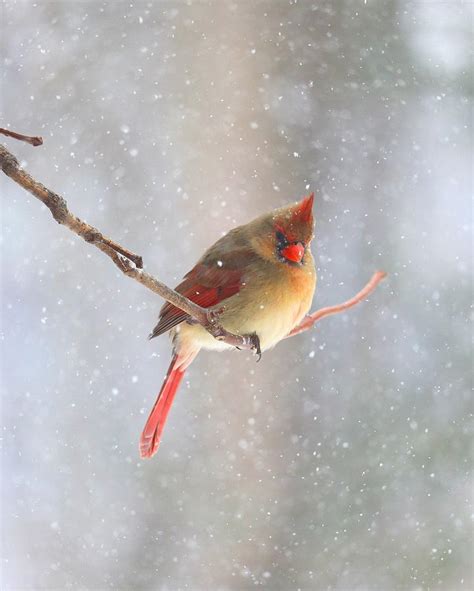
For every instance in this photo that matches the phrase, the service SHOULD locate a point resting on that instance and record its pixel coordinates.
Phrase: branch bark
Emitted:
(131, 264)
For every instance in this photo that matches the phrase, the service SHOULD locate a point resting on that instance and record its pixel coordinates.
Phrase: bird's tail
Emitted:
(151, 434)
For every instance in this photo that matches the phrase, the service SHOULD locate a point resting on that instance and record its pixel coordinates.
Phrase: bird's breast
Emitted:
(269, 304)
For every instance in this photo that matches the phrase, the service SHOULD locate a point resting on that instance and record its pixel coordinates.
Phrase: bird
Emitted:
(260, 275)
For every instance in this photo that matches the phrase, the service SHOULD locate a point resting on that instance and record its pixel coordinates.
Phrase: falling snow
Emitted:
(339, 461)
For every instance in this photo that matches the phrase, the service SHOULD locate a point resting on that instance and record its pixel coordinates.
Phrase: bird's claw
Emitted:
(255, 345)
(213, 314)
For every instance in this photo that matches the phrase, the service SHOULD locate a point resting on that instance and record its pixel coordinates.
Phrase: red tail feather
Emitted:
(151, 435)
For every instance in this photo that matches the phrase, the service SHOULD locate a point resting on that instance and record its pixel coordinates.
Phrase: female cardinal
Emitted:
(261, 274)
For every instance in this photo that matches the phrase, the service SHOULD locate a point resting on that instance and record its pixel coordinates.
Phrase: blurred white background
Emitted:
(342, 460)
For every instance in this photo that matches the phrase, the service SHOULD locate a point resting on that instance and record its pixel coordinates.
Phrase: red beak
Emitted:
(293, 252)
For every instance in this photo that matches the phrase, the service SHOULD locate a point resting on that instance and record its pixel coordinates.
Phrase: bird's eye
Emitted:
(281, 238)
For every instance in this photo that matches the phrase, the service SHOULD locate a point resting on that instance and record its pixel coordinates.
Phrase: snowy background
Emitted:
(342, 460)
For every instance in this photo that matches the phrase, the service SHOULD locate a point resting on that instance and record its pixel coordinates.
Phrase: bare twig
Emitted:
(310, 320)
(33, 140)
(58, 207)
(131, 264)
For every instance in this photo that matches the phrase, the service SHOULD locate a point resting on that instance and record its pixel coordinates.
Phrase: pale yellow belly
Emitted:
(270, 315)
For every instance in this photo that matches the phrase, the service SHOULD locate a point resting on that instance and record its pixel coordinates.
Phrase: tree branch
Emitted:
(310, 320)
(131, 264)
(33, 140)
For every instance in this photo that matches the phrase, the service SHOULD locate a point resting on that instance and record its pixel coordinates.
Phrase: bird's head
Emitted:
(286, 233)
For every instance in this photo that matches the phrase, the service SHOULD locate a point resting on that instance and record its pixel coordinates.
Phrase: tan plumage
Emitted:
(264, 277)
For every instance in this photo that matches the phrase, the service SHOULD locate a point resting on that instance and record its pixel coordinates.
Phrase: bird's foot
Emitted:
(213, 314)
(255, 345)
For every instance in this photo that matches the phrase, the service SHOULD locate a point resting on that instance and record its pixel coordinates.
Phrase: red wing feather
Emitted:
(204, 285)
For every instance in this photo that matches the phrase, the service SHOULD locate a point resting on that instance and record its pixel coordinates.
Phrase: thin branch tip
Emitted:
(311, 319)
(33, 140)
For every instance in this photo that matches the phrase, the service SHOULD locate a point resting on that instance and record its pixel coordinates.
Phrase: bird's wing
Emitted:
(210, 282)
